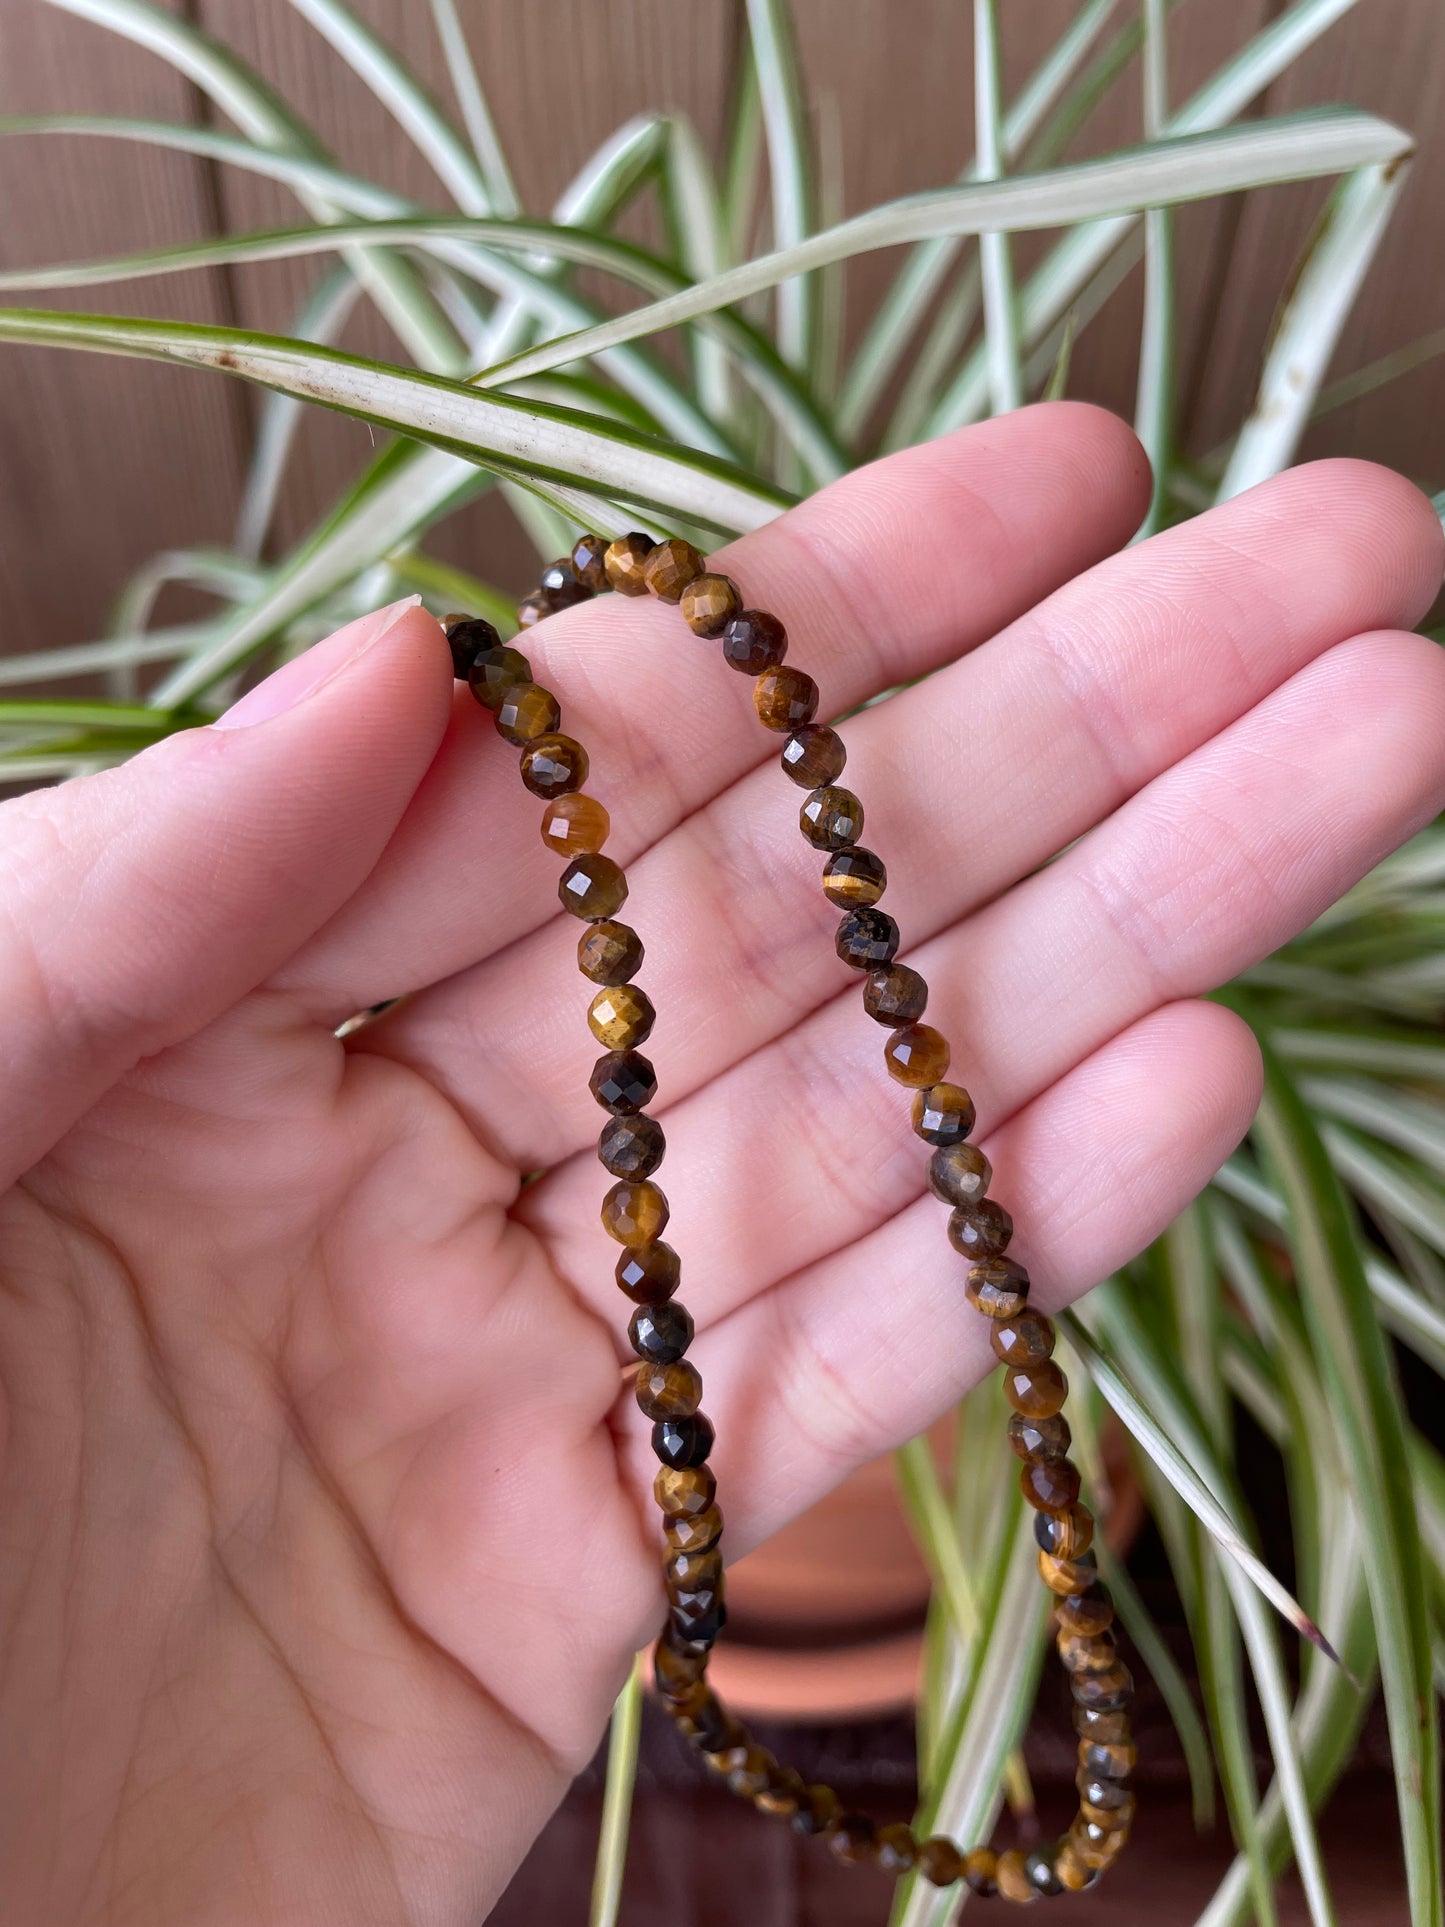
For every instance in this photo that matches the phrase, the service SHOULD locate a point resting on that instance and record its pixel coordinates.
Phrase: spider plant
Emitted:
(1293, 1289)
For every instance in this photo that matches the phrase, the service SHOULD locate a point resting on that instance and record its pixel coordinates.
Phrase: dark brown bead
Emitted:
(650, 1276)
(559, 587)
(980, 1872)
(631, 1146)
(1037, 1391)
(980, 1230)
(621, 1016)
(939, 1861)
(785, 698)
(750, 1776)
(609, 953)
(944, 1115)
(713, 1727)
(575, 825)
(814, 755)
(783, 1795)
(531, 610)
(592, 886)
(691, 1534)
(1040, 1441)
(1089, 1613)
(708, 604)
(684, 1491)
(817, 1812)
(634, 1212)
(676, 1673)
(467, 638)
(897, 1850)
(1025, 1339)
(959, 1173)
(1066, 1575)
(917, 1055)
(525, 712)
(1108, 1691)
(670, 567)
(998, 1287)
(693, 1571)
(493, 671)
(852, 1838)
(669, 1391)
(1068, 1537)
(554, 765)
(1105, 1729)
(1100, 1797)
(895, 994)
(853, 877)
(1039, 1867)
(1051, 1485)
(1012, 1877)
(625, 561)
(831, 818)
(660, 1333)
(683, 1441)
(699, 1616)
(754, 641)
(589, 562)
(866, 938)
(623, 1081)
(1108, 1760)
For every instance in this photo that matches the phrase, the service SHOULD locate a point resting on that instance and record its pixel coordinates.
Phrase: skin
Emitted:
(325, 1533)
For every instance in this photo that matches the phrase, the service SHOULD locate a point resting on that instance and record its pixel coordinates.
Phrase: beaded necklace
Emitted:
(635, 1212)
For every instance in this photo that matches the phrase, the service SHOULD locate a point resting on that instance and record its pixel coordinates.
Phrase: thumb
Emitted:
(138, 904)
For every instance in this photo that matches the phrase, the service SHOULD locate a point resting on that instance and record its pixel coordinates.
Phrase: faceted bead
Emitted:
(631, 1146)
(785, 698)
(676, 1673)
(609, 953)
(1013, 1880)
(998, 1287)
(783, 1795)
(1107, 1691)
(1066, 1575)
(692, 1534)
(559, 587)
(817, 1812)
(1068, 1537)
(575, 825)
(525, 712)
(699, 1616)
(669, 1391)
(467, 637)
(852, 877)
(650, 1276)
(831, 818)
(959, 1173)
(684, 1491)
(553, 765)
(660, 1333)
(1107, 1761)
(589, 563)
(1025, 1339)
(754, 641)
(1040, 1441)
(1039, 1866)
(1051, 1485)
(943, 1115)
(692, 1571)
(895, 995)
(866, 938)
(897, 1850)
(917, 1055)
(980, 1230)
(670, 567)
(683, 1441)
(625, 561)
(1103, 1729)
(852, 1838)
(634, 1212)
(623, 1081)
(980, 1872)
(1037, 1391)
(814, 754)
(1089, 1613)
(750, 1776)
(494, 670)
(621, 1016)
(531, 610)
(940, 1861)
(1100, 1799)
(1098, 1847)
(592, 886)
(714, 1727)
(709, 603)
(1070, 1870)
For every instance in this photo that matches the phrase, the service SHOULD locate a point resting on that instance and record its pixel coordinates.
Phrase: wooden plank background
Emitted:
(103, 462)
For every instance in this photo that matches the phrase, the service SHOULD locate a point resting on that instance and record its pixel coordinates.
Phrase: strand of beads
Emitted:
(635, 1212)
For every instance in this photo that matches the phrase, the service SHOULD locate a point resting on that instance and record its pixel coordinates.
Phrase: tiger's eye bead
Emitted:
(531, 610)
(1069, 1868)
(1050, 1485)
(1039, 1867)
(692, 1571)
(699, 1616)
(1066, 1575)
(1068, 1537)
(495, 670)
(1087, 1653)
(1013, 1880)
(999, 1288)
(917, 1055)
(1041, 1441)
(676, 1673)
(939, 1861)
(1025, 1339)
(670, 567)
(750, 1775)
(1090, 1612)
(754, 641)
(683, 1441)
(897, 1850)
(895, 995)
(709, 603)
(634, 1213)
(669, 1391)
(589, 564)
(660, 1334)
(853, 877)
(525, 712)
(959, 1173)
(575, 825)
(785, 698)
(592, 886)
(625, 561)
(1100, 1800)
(558, 585)
(621, 1016)
(783, 1795)
(714, 1727)
(1098, 1847)
(944, 1114)
(650, 1275)
(1108, 1691)
(623, 1081)
(980, 1230)
(1108, 1761)
(852, 1838)
(682, 1492)
(693, 1534)
(816, 1811)
(814, 755)
(553, 765)
(831, 818)
(980, 1872)
(866, 938)
(1096, 1727)
(609, 953)
(467, 638)
(631, 1146)
(1037, 1391)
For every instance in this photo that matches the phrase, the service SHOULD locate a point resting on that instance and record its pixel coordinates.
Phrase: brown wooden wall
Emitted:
(102, 462)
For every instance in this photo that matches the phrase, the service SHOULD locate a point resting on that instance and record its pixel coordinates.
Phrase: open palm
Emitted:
(325, 1525)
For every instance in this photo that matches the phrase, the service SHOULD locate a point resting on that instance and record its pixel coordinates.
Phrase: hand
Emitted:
(326, 1529)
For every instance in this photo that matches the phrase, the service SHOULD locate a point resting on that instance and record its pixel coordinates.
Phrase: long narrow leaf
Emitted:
(1001, 329)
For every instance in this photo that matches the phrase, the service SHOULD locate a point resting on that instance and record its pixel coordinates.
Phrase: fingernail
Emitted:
(304, 675)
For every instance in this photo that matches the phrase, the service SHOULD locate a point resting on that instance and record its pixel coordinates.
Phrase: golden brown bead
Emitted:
(685, 1703)
(940, 1861)
(684, 1491)
(623, 1081)
(592, 886)
(660, 1333)
(785, 698)
(1108, 1760)
(609, 953)
(896, 1850)
(631, 1146)
(866, 938)
(980, 1230)
(676, 1673)
(1025, 1339)
(531, 610)
(1090, 1612)
(526, 711)
(634, 1213)
(575, 825)
(1065, 1575)
(1103, 1728)
(1068, 1537)
(692, 1571)
(494, 671)
(980, 1872)
(621, 1016)
(754, 641)
(709, 603)
(1013, 1879)
(650, 1275)
(691, 1534)
(917, 1055)
(831, 818)
(1037, 1391)
(589, 562)
(752, 1775)
(853, 877)
(625, 561)
(1074, 1876)
(817, 1812)
(1108, 1690)
(713, 1726)
(670, 567)
(783, 1795)
(814, 755)
(998, 1287)
(1041, 1441)
(959, 1173)
(554, 765)
(1098, 1847)
(1086, 1652)
(895, 995)
(853, 1839)
(1050, 1485)
(944, 1115)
